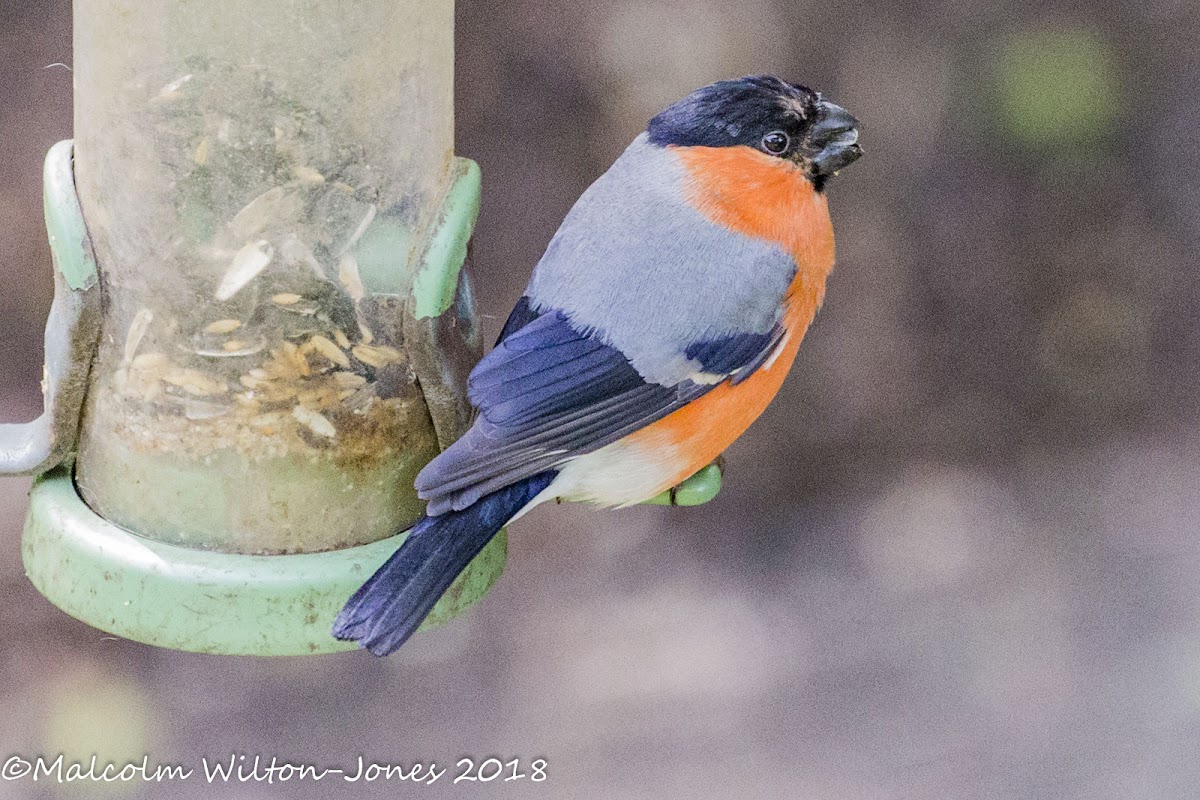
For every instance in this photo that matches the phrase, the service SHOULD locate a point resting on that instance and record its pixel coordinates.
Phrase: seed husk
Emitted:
(137, 330)
(314, 421)
(349, 277)
(223, 326)
(377, 355)
(308, 174)
(193, 381)
(320, 344)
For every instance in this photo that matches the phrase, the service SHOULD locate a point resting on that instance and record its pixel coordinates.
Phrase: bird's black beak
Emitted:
(831, 142)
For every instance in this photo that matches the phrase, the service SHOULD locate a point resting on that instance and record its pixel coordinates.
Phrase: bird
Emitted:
(657, 326)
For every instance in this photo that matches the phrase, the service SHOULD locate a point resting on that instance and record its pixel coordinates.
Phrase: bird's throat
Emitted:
(752, 193)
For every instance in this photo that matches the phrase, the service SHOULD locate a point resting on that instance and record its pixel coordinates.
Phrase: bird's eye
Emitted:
(776, 142)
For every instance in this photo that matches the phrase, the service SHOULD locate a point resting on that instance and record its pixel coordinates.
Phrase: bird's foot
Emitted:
(696, 490)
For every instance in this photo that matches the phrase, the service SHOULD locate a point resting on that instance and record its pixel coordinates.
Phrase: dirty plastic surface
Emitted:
(259, 206)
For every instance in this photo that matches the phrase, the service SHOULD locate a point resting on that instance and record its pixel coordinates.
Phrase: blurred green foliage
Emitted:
(1056, 86)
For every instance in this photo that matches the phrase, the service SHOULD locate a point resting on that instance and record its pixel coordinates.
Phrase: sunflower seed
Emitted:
(247, 264)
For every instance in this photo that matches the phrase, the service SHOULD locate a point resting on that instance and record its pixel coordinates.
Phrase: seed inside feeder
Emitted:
(193, 381)
(377, 355)
(349, 277)
(223, 326)
(133, 339)
(172, 90)
(246, 359)
(307, 174)
(249, 261)
(216, 345)
(315, 422)
(319, 344)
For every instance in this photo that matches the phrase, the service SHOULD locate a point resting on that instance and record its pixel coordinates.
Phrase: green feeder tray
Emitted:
(205, 601)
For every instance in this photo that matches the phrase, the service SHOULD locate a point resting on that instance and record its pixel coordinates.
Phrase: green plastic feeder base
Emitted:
(202, 601)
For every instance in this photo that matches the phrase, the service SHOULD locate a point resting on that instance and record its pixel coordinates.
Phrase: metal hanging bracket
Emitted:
(71, 330)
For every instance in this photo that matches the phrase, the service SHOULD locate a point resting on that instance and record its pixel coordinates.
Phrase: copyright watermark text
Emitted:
(239, 768)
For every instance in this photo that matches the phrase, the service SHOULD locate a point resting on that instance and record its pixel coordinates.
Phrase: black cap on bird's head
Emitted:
(782, 119)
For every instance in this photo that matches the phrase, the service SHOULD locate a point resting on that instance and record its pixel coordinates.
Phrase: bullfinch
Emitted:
(656, 328)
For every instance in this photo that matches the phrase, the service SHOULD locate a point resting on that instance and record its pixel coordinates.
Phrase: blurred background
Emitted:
(959, 557)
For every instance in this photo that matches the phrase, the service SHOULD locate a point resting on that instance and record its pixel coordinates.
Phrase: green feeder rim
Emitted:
(203, 601)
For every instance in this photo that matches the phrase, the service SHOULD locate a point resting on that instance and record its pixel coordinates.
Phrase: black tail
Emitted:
(391, 605)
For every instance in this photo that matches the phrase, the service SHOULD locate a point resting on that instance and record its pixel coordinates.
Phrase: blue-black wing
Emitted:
(737, 355)
(549, 392)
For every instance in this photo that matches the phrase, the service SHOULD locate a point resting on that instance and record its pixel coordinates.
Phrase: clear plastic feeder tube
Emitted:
(251, 174)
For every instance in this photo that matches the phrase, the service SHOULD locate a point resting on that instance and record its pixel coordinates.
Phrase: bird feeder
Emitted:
(262, 325)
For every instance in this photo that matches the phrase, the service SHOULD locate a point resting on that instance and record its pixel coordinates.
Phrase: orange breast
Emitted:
(767, 198)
